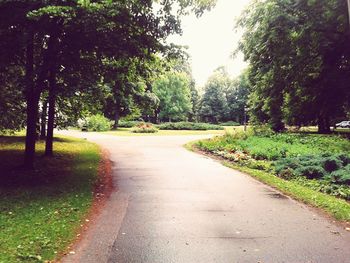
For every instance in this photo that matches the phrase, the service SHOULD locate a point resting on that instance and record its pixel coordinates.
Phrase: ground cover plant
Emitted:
(189, 126)
(144, 128)
(41, 210)
(317, 162)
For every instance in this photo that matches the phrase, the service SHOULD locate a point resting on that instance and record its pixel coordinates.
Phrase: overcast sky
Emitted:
(212, 39)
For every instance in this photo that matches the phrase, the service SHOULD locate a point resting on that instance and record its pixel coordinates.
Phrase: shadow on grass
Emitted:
(60, 173)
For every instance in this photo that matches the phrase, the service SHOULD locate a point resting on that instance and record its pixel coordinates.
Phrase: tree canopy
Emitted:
(174, 93)
(67, 47)
(299, 58)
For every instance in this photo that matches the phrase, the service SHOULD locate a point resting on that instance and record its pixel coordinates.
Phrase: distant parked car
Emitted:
(84, 128)
(343, 124)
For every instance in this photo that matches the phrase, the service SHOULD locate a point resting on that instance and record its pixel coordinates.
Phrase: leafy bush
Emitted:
(324, 186)
(262, 130)
(344, 158)
(144, 128)
(98, 123)
(128, 124)
(311, 172)
(189, 126)
(230, 123)
(341, 176)
(331, 163)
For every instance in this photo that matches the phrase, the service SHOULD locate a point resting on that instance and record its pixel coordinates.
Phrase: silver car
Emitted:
(343, 124)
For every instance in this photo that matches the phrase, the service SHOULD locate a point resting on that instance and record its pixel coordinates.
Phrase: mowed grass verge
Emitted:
(255, 156)
(42, 210)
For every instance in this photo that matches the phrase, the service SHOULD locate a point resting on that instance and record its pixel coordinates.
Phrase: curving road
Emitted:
(172, 205)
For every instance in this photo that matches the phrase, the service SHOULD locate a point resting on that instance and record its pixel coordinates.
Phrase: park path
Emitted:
(172, 205)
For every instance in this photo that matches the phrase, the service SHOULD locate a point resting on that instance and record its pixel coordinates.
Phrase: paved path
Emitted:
(172, 205)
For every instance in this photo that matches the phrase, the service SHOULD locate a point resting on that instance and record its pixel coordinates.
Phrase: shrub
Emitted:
(144, 128)
(325, 186)
(286, 164)
(128, 124)
(287, 174)
(189, 126)
(230, 123)
(344, 158)
(311, 172)
(98, 123)
(262, 130)
(331, 163)
(341, 176)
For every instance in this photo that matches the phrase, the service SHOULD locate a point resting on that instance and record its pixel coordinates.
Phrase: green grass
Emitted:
(41, 210)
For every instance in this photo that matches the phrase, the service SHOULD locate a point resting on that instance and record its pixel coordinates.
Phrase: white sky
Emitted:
(212, 39)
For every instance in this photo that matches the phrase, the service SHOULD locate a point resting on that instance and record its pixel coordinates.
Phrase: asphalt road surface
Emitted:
(172, 205)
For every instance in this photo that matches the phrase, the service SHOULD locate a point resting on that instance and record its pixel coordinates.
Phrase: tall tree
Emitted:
(237, 98)
(214, 107)
(173, 91)
(48, 39)
(299, 57)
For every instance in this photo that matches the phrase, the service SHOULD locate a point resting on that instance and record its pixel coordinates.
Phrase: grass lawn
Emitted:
(262, 156)
(127, 132)
(41, 210)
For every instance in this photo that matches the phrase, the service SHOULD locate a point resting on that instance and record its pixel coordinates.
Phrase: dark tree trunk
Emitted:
(43, 121)
(31, 133)
(117, 97)
(323, 125)
(51, 114)
(116, 117)
(32, 100)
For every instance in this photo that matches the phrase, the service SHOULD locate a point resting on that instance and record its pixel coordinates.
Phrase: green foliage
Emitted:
(67, 47)
(229, 123)
(324, 186)
(189, 126)
(299, 61)
(332, 163)
(237, 98)
(173, 91)
(144, 128)
(341, 176)
(98, 123)
(12, 101)
(214, 107)
(128, 124)
(311, 172)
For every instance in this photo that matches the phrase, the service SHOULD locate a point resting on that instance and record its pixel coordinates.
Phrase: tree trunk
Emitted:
(32, 105)
(117, 97)
(116, 118)
(323, 125)
(51, 115)
(31, 133)
(43, 121)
